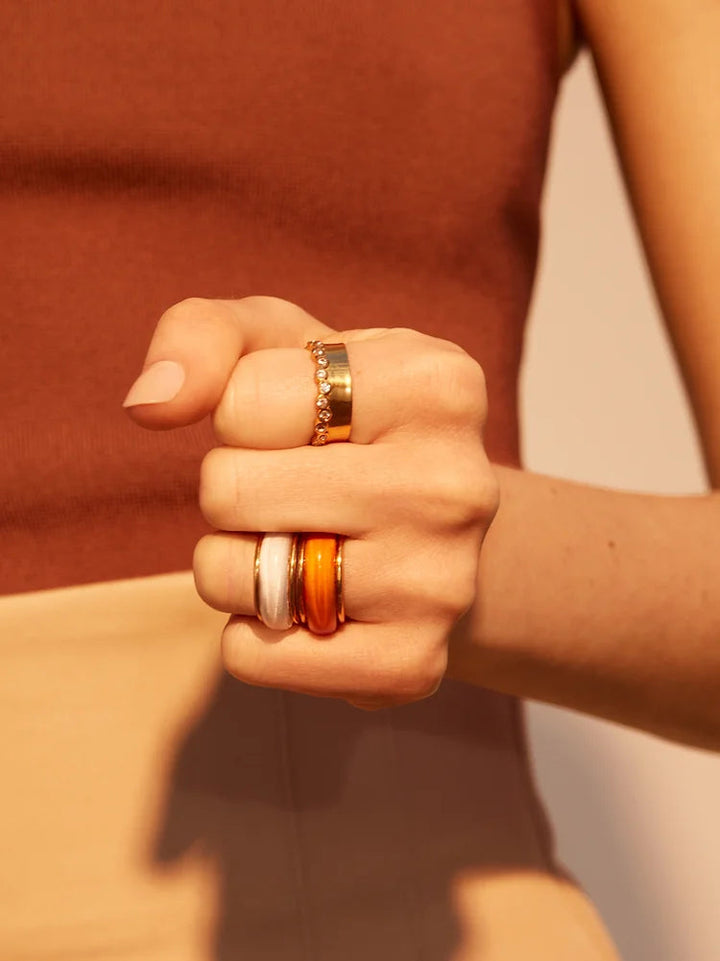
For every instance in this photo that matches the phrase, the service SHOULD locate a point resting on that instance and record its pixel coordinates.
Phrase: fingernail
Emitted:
(159, 383)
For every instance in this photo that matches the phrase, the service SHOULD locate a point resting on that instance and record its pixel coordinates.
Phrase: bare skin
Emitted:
(624, 620)
(414, 492)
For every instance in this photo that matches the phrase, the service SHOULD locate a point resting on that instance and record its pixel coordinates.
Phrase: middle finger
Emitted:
(344, 488)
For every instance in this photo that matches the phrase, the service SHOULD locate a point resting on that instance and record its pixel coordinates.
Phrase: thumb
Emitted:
(195, 347)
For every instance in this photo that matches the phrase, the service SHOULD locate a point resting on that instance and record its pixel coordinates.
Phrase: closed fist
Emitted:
(412, 491)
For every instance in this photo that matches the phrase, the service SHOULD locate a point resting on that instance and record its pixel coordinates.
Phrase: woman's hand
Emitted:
(413, 490)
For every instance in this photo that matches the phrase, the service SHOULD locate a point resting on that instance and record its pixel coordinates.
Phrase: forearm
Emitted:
(600, 600)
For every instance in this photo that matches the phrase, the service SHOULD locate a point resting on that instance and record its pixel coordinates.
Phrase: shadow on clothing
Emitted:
(337, 833)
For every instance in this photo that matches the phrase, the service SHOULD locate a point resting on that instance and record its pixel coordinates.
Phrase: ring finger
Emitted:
(380, 584)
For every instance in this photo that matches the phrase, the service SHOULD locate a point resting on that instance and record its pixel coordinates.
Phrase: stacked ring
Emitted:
(271, 580)
(319, 591)
(298, 578)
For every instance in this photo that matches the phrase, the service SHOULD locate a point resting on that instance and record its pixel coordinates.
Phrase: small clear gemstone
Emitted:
(322, 402)
(321, 374)
(325, 388)
(318, 351)
(320, 429)
(318, 440)
(322, 361)
(325, 415)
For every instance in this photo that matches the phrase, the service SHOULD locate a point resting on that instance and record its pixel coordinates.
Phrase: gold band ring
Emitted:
(339, 599)
(256, 576)
(333, 405)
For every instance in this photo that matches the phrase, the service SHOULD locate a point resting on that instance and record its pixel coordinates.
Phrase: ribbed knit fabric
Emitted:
(378, 163)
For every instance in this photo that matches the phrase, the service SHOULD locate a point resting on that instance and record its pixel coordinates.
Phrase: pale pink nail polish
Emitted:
(159, 383)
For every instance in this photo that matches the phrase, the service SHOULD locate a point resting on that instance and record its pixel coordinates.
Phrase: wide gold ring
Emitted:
(333, 405)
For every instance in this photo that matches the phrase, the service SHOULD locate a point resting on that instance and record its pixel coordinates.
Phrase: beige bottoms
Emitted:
(144, 816)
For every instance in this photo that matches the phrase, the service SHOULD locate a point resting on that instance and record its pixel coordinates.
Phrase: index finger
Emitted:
(206, 338)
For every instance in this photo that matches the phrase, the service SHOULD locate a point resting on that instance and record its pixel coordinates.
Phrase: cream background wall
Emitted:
(637, 819)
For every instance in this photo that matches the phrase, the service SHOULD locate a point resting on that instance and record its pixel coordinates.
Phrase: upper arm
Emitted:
(659, 66)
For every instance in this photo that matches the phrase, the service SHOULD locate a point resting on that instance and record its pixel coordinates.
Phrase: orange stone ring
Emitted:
(315, 582)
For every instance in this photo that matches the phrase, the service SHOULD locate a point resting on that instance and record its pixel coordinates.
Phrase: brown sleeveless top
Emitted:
(379, 163)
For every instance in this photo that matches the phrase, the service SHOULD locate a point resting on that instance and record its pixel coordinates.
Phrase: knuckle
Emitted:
(453, 590)
(240, 657)
(409, 334)
(188, 310)
(460, 594)
(469, 388)
(188, 305)
(263, 300)
(245, 391)
(436, 589)
(481, 485)
(461, 487)
(488, 494)
(203, 565)
(425, 370)
(201, 555)
(194, 317)
(416, 675)
(454, 383)
(450, 492)
(250, 383)
(212, 489)
(427, 675)
(224, 420)
(271, 306)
